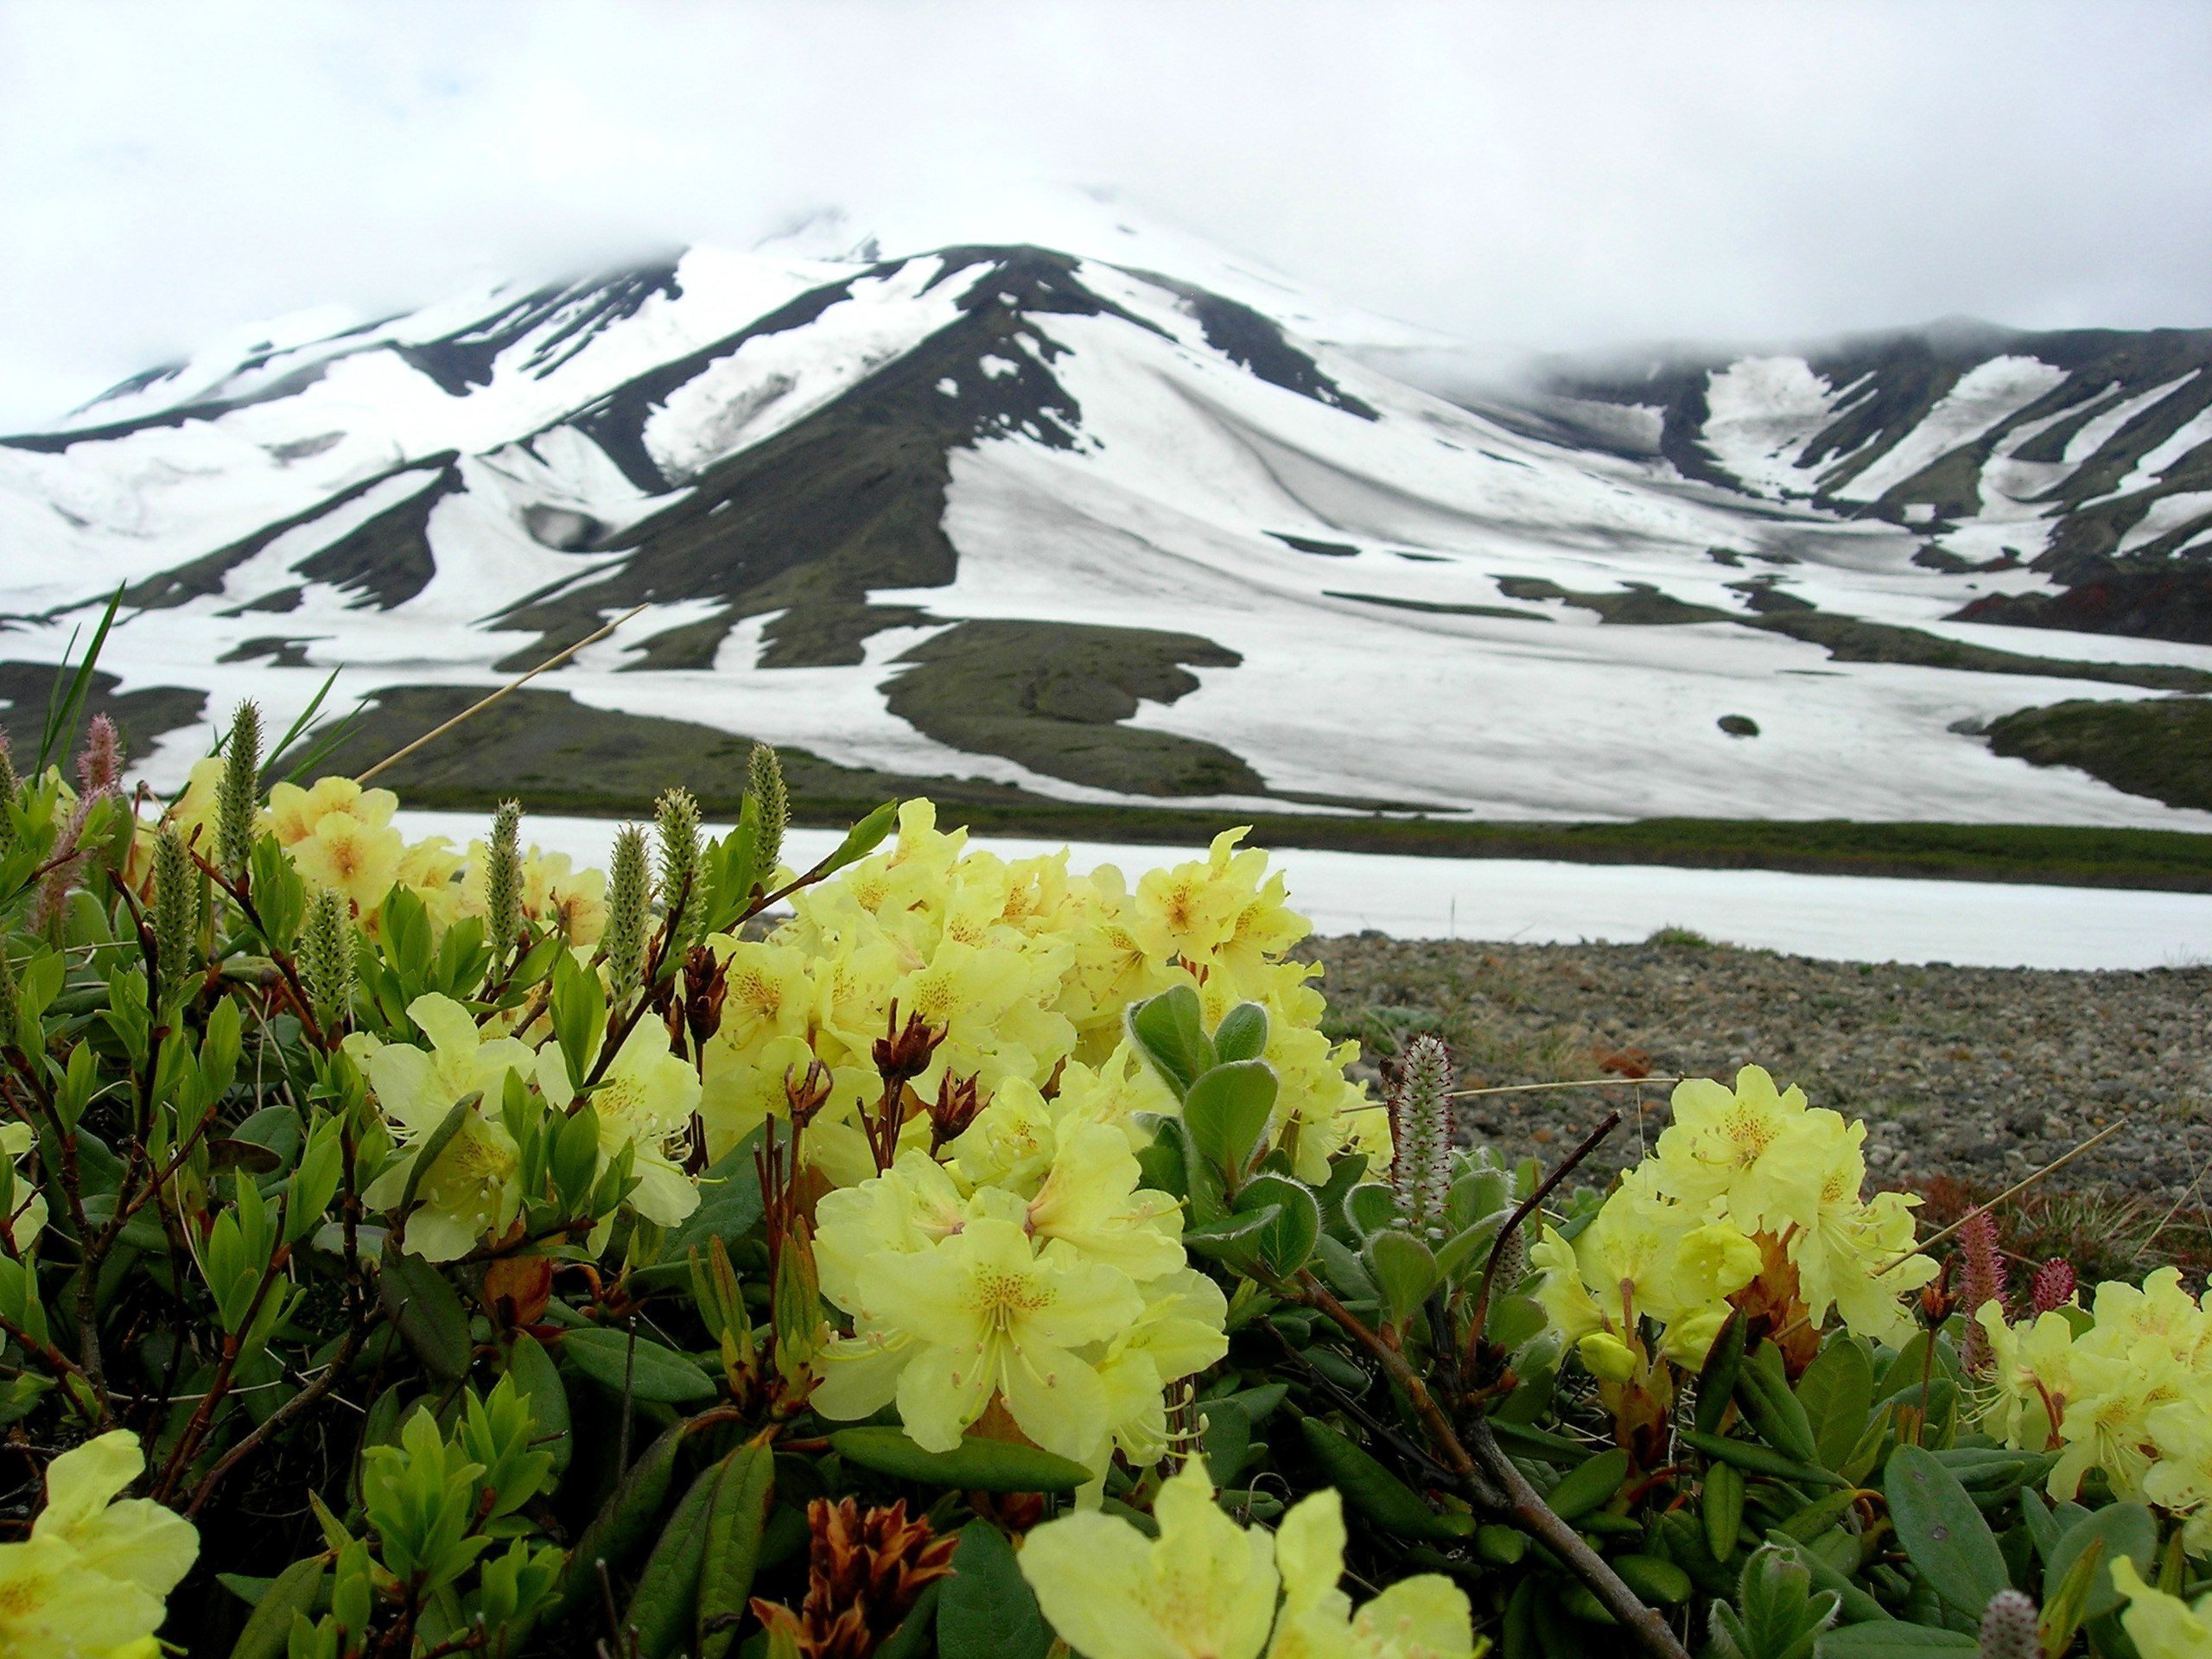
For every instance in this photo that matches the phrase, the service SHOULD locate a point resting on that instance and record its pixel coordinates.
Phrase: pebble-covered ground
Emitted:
(1973, 1074)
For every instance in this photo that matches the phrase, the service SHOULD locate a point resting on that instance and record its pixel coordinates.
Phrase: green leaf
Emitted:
(861, 839)
(1894, 1639)
(1720, 1508)
(1856, 1604)
(1405, 1272)
(1774, 1413)
(422, 1303)
(1228, 1441)
(986, 1609)
(1776, 1614)
(1837, 1391)
(1370, 1488)
(538, 1380)
(746, 1485)
(1717, 1377)
(579, 1016)
(1170, 1030)
(917, 1631)
(662, 1606)
(1226, 1112)
(1243, 1033)
(290, 1595)
(620, 1528)
(1589, 1486)
(2128, 1529)
(1287, 1240)
(650, 1371)
(1370, 1208)
(1942, 1532)
(729, 1202)
(976, 1464)
(1759, 1460)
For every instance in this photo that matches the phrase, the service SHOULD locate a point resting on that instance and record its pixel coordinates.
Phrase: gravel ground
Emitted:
(1976, 1075)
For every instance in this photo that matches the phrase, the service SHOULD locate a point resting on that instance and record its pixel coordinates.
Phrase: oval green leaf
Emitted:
(1942, 1531)
(974, 1465)
(651, 1372)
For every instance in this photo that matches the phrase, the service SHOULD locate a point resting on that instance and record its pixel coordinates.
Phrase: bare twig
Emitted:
(482, 704)
(2018, 1186)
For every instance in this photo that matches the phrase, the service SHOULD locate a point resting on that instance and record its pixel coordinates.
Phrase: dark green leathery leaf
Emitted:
(1943, 1533)
(985, 1609)
(977, 1465)
(662, 1607)
(646, 1370)
(736, 1514)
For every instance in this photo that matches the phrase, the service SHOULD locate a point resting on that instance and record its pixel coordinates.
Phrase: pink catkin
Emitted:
(99, 764)
(1984, 1282)
(2053, 1286)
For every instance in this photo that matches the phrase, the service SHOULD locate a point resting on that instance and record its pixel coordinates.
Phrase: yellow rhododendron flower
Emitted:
(986, 1311)
(1728, 1154)
(1180, 1333)
(90, 1580)
(645, 1103)
(567, 902)
(2180, 1481)
(2161, 1626)
(193, 815)
(1641, 1258)
(1207, 1588)
(472, 1189)
(339, 837)
(429, 868)
(1425, 1617)
(1204, 1589)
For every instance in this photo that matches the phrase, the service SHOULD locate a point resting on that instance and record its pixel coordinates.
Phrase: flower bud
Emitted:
(806, 1092)
(903, 1053)
(1606, 1356)
(238, 797)
(952, 1112)
(706, 982)
(629, 896)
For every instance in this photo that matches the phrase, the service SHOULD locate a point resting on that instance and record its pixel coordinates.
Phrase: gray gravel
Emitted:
(1974, 1073)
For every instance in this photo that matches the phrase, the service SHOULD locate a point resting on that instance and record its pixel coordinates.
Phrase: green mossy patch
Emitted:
(1052, 696)
(2159, 747)
(555, 754)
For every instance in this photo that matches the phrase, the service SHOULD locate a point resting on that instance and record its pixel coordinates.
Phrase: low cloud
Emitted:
(1554, 177)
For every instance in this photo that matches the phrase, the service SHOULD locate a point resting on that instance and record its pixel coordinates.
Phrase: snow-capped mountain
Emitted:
(1008, 522)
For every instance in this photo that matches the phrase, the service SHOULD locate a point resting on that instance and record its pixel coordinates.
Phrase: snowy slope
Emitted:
(890, 511)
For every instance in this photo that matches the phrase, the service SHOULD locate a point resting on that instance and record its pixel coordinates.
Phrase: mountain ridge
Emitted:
(1092, 532)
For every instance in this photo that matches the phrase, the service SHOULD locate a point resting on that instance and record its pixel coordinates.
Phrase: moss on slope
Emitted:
(2161, 748)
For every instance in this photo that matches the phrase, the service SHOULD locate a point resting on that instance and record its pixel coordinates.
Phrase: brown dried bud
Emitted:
(706, 984)
(517, 1288)
(953, 1110)
(807, 1091)
(903, 1053)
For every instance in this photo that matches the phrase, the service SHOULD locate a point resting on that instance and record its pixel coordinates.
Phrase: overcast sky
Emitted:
(1543, 176)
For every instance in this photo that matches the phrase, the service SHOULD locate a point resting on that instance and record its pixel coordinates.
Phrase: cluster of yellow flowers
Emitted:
(1746, 1184)
(1026, 969)
(1207, 1587)
(90, 1580)
(2125, 1386)
(340, 836)
(1017, 1261)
